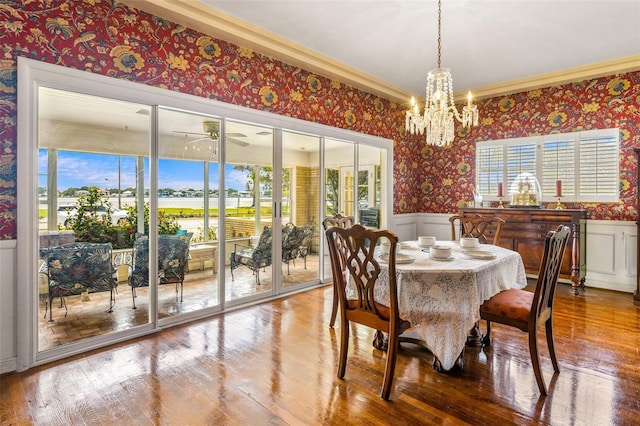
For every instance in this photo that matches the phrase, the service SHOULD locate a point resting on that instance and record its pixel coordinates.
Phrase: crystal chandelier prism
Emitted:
(440, 109)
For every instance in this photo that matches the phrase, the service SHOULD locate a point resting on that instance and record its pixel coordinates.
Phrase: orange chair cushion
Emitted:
(383, 311)
(514, 304)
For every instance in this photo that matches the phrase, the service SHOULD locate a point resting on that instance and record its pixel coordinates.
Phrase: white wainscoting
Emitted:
(8, 352)
(611, 255)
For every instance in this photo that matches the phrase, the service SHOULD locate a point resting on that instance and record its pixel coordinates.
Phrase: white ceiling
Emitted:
(484, 42)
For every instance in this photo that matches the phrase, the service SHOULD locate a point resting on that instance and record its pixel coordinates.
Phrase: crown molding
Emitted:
(556, 78)
(225, 27)
(217, 24)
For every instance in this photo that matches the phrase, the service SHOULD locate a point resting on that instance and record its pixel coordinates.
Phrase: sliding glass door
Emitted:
(248, 219)
(143, 208)
(91, 177)
(301, 219)
(339, 169)
(188, 212)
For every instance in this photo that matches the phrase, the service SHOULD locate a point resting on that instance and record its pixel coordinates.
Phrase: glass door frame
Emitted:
(31, 75)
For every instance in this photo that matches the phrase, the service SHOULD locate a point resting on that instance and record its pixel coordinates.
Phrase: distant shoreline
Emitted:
(171, 202)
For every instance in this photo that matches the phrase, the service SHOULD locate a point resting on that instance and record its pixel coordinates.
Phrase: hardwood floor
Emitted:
(276, 363)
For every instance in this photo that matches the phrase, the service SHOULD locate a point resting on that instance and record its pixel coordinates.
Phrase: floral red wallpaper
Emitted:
(447, 176)
(104, 37)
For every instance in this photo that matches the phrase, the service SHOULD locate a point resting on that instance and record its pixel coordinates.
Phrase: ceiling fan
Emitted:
(212, 133)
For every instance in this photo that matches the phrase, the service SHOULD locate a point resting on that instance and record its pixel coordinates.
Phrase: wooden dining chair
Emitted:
(476, 226)
(358, 301)
(341, 222)
(526, 310)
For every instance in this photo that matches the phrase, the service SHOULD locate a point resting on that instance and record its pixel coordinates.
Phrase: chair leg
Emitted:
(133, 296)
(392, 352)
(535, 361)
(344, 347)
(50, 309)
(334, 308)
(552, 349)
(486, 340)
(112, 301)
(181, 290)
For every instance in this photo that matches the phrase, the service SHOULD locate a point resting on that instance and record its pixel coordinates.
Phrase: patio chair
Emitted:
(76, 268)
(173, 254)
(296, 243)
(253, 258)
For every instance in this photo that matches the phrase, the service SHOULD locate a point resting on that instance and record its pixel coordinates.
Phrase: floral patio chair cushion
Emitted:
(258, 257)
(292, 237)
(304, 247)
(173, 254)
(78, 267)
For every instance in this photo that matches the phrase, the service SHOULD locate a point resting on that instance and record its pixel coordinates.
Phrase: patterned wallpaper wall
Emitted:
(102, 37)
(446, 176)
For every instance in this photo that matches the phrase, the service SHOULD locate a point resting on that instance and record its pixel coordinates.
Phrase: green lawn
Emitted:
(178, 212)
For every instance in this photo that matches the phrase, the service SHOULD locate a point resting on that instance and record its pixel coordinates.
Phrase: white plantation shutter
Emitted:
(586, 162)
(558, 163)
(598, 170)
(521, 157)
(489, 166)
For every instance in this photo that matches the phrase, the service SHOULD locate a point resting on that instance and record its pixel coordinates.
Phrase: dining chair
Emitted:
(358, 300)
(341, 222)
(526, 310)
(476, 226)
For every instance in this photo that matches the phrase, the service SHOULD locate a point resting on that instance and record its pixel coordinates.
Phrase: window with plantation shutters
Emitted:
(586, 162)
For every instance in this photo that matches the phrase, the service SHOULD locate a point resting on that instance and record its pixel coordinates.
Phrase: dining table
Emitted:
(442, 297)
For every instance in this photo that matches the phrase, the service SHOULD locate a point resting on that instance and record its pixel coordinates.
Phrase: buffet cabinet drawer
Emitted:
(525, 230)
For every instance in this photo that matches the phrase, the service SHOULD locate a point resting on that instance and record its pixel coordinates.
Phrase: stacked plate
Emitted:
(400, 258)
(479, 254)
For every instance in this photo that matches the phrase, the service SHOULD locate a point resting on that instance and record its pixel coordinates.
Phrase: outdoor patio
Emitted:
(89, 318)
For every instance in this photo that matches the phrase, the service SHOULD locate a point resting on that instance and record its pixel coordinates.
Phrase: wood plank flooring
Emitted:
(275, 364)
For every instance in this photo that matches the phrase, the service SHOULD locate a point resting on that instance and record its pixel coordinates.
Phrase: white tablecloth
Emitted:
(442, 299)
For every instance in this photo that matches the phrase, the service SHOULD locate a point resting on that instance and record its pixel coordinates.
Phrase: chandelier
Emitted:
(440, 108)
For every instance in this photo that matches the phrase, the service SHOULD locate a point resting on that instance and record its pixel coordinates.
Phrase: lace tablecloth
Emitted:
(442, 299)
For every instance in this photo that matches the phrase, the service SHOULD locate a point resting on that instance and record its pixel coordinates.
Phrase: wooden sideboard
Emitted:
(525, 230)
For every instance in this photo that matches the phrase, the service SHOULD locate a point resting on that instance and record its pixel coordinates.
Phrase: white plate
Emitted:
(400, 258)
(479, 254)
(442, 259)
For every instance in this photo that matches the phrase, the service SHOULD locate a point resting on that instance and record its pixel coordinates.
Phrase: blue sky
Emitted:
(76, 169)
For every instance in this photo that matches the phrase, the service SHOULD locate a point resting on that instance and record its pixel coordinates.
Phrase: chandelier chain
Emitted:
(440, 110)
(439, 27)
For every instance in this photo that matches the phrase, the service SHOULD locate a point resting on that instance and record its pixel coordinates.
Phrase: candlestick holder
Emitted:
(559, 205)
(500, 205)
